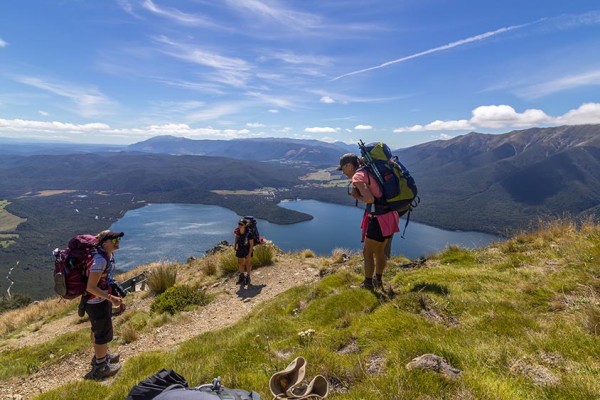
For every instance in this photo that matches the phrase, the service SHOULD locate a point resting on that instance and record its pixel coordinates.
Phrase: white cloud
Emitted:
(3, 43)
(588, 113)
(44, 113)
(327, 100)
(505, 117)
(445, 136)
(320, 129)
(88, 132)
(363, 127)
(254, 125)
(273, 111)
(21, 125)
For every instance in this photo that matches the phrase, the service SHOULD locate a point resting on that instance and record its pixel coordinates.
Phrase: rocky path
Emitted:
(229, 306)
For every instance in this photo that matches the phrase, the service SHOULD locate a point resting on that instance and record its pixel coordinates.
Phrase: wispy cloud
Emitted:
(363, 127)
(3, 43)
(255, 125)
(327, 100)
(289, 18)
(504, 116)
(179, 16)
(588, 78)
(448, 46)
(89, 102)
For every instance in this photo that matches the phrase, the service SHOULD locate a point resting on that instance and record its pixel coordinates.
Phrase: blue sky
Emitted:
(405, 72)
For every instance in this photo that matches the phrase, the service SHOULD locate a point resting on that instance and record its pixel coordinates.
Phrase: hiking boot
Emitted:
(102, 371)
(241, 279)
(364, 285)
(111, 358)
(247, 283)
(377, 283)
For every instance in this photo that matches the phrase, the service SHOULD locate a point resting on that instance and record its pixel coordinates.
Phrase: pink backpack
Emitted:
(71, 266)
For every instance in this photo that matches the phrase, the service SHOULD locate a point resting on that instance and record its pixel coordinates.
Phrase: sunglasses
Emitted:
(115, 240)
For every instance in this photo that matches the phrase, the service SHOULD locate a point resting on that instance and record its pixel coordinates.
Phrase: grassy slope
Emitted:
(520, 319)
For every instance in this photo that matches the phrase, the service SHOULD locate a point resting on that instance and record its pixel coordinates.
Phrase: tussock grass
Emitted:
(489, 312)
(307, 253)
(162, 276)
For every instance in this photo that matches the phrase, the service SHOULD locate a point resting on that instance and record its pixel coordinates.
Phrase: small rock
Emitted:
(434, 363)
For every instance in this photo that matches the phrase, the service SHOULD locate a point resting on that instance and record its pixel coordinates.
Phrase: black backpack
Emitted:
(253, 230)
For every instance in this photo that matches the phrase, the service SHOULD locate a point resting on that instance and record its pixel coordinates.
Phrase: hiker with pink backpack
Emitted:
(98, 303)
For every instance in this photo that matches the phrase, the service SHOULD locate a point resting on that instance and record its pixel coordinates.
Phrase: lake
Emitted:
(175, 232)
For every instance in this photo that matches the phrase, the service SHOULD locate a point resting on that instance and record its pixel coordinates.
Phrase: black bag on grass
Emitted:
(151, 387)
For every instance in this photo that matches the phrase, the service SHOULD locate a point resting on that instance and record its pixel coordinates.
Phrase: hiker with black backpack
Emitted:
(243, 246)
(377, 228)
(98, 303)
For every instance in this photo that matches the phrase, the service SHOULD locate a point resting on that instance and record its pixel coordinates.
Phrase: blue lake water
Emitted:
(175, 232)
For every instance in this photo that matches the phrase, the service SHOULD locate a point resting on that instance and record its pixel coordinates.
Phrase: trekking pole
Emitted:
(369, 159)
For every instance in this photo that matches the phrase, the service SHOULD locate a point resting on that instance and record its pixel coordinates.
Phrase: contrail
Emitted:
(441, 48)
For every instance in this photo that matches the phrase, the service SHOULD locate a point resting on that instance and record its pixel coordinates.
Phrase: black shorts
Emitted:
(374, 230)
(101, 318)
(242, 252)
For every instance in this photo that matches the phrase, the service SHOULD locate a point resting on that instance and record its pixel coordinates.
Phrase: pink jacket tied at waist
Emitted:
(388, 223)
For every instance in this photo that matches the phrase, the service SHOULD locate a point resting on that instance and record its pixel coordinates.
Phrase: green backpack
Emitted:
(398, 187)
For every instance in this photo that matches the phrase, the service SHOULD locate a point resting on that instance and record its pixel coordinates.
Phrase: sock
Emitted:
(100, 360)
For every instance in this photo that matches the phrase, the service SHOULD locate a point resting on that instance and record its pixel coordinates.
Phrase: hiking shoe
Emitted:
(102, 371)
(111, 358)
(377, 283)
(364, 285)
(241, 279)
(247, 283)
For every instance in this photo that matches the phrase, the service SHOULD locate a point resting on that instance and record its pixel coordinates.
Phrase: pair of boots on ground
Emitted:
(287, 384)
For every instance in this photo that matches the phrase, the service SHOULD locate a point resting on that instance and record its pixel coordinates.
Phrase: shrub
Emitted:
(340, 255)
(178, 298)
(129, 333)
(162, 278)
(228, 262)
(14, 302)
(263, 255)
(307, 253)
(210, 267)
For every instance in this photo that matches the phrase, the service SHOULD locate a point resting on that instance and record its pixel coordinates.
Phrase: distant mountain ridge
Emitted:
(315, 152)
(488, 181)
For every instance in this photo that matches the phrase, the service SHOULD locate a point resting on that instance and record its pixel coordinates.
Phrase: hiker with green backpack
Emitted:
(389, 191)
(377, 229)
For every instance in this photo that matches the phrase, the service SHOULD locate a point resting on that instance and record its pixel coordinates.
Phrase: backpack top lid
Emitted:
(377, 151)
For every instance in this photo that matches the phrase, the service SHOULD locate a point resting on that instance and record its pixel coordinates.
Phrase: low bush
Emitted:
(178, 298)
(263, 255)
(162, 278)
(228, 263)
(14, 302)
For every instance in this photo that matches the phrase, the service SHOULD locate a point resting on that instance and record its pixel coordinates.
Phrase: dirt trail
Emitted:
(229, 306)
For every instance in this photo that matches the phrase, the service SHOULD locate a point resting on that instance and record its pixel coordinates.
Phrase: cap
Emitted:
(107, 235)
(243, 221)
(347, 158)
